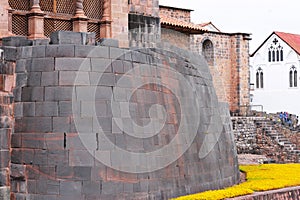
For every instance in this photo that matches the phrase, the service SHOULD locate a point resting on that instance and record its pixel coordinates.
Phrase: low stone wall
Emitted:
(244, 130)
(292, 193)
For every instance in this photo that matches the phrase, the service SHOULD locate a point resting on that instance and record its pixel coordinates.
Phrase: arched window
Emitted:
(208, 52)
(270, 56)
(277, 55)
(259, 78)
(273, 55)
(293, 76)
(275, 51)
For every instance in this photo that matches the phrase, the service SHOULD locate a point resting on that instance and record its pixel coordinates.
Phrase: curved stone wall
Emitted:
(100, 122)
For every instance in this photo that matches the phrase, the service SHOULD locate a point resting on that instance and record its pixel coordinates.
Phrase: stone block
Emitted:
(39, 197)
(102, 79)
(33, 141)
(15, 41)
(73, 78)
(41, 187)
(41, 65)
(101, 65)
(16, 141)
(28, 109)
(49, 79)
(58, 93)
(60, 51)
(103, 93)
(5, 136)
(127, 66)
(53, 187)
(4, 193)
(68, 108)
(38, 42)
(21, 65)
(21, 79)
(70, 197)
(4, 177)
(4, 157)
(58, 157)
(118, 67)
(74, 64)
(25, 52)
(91, 52)
(18, 110)
(46, 109)
(116, 53)
(111, 187)
(94, 108)
(32, 94)
(17, 171)
(104, 122)
(31, 186)
(82, 141)
(34, 79)
(54, 141)
(91, 187)
(61, 125)
(81, 158)
(84, 124)
(33, 124)
(139, 57)
(17, 94)
(82, 173)
(69, 37)
(38, 51)
(93, 93)
(10, 54)
(109, 42)
(16, 156)
(40, 157)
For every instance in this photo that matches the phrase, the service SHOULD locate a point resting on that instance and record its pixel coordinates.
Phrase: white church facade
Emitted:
(274, 74)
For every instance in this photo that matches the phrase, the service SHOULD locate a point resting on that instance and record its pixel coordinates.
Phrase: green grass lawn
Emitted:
(259, 178)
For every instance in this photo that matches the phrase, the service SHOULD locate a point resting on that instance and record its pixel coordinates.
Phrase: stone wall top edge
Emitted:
(245, 117)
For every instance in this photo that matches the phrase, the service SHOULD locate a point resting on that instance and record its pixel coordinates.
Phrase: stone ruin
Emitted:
(81, 120)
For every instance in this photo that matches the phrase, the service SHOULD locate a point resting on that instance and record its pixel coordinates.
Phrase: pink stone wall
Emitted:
(4, 19)
(181, 14)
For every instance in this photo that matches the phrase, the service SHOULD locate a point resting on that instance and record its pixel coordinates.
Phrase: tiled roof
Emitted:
(293, 40)
(183, 25)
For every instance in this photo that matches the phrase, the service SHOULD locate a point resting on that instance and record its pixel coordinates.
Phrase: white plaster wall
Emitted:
(276, 96)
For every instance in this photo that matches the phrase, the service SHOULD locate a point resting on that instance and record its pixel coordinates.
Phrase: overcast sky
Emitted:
(258, 17)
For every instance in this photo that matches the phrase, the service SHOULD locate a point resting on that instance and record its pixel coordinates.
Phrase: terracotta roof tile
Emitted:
(165, 20)
(293, 40)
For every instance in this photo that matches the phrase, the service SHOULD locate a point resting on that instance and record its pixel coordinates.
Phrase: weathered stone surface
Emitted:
(69, 37)
(69, 128)
(4, 193)
(15, 41)
(109, 42)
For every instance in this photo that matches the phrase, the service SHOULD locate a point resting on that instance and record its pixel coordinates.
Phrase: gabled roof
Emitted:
(180, 25)
(293, 40)
(210, 26)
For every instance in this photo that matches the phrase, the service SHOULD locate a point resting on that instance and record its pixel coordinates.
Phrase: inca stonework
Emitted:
(65, 123)
(73, 105)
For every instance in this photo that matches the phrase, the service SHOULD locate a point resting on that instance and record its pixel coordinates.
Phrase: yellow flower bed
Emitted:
(259, 178)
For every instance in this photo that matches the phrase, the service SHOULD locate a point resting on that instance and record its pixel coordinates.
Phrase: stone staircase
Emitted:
(280, 144)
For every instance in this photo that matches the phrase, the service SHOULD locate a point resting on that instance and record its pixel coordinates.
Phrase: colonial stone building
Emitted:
(227, 54)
